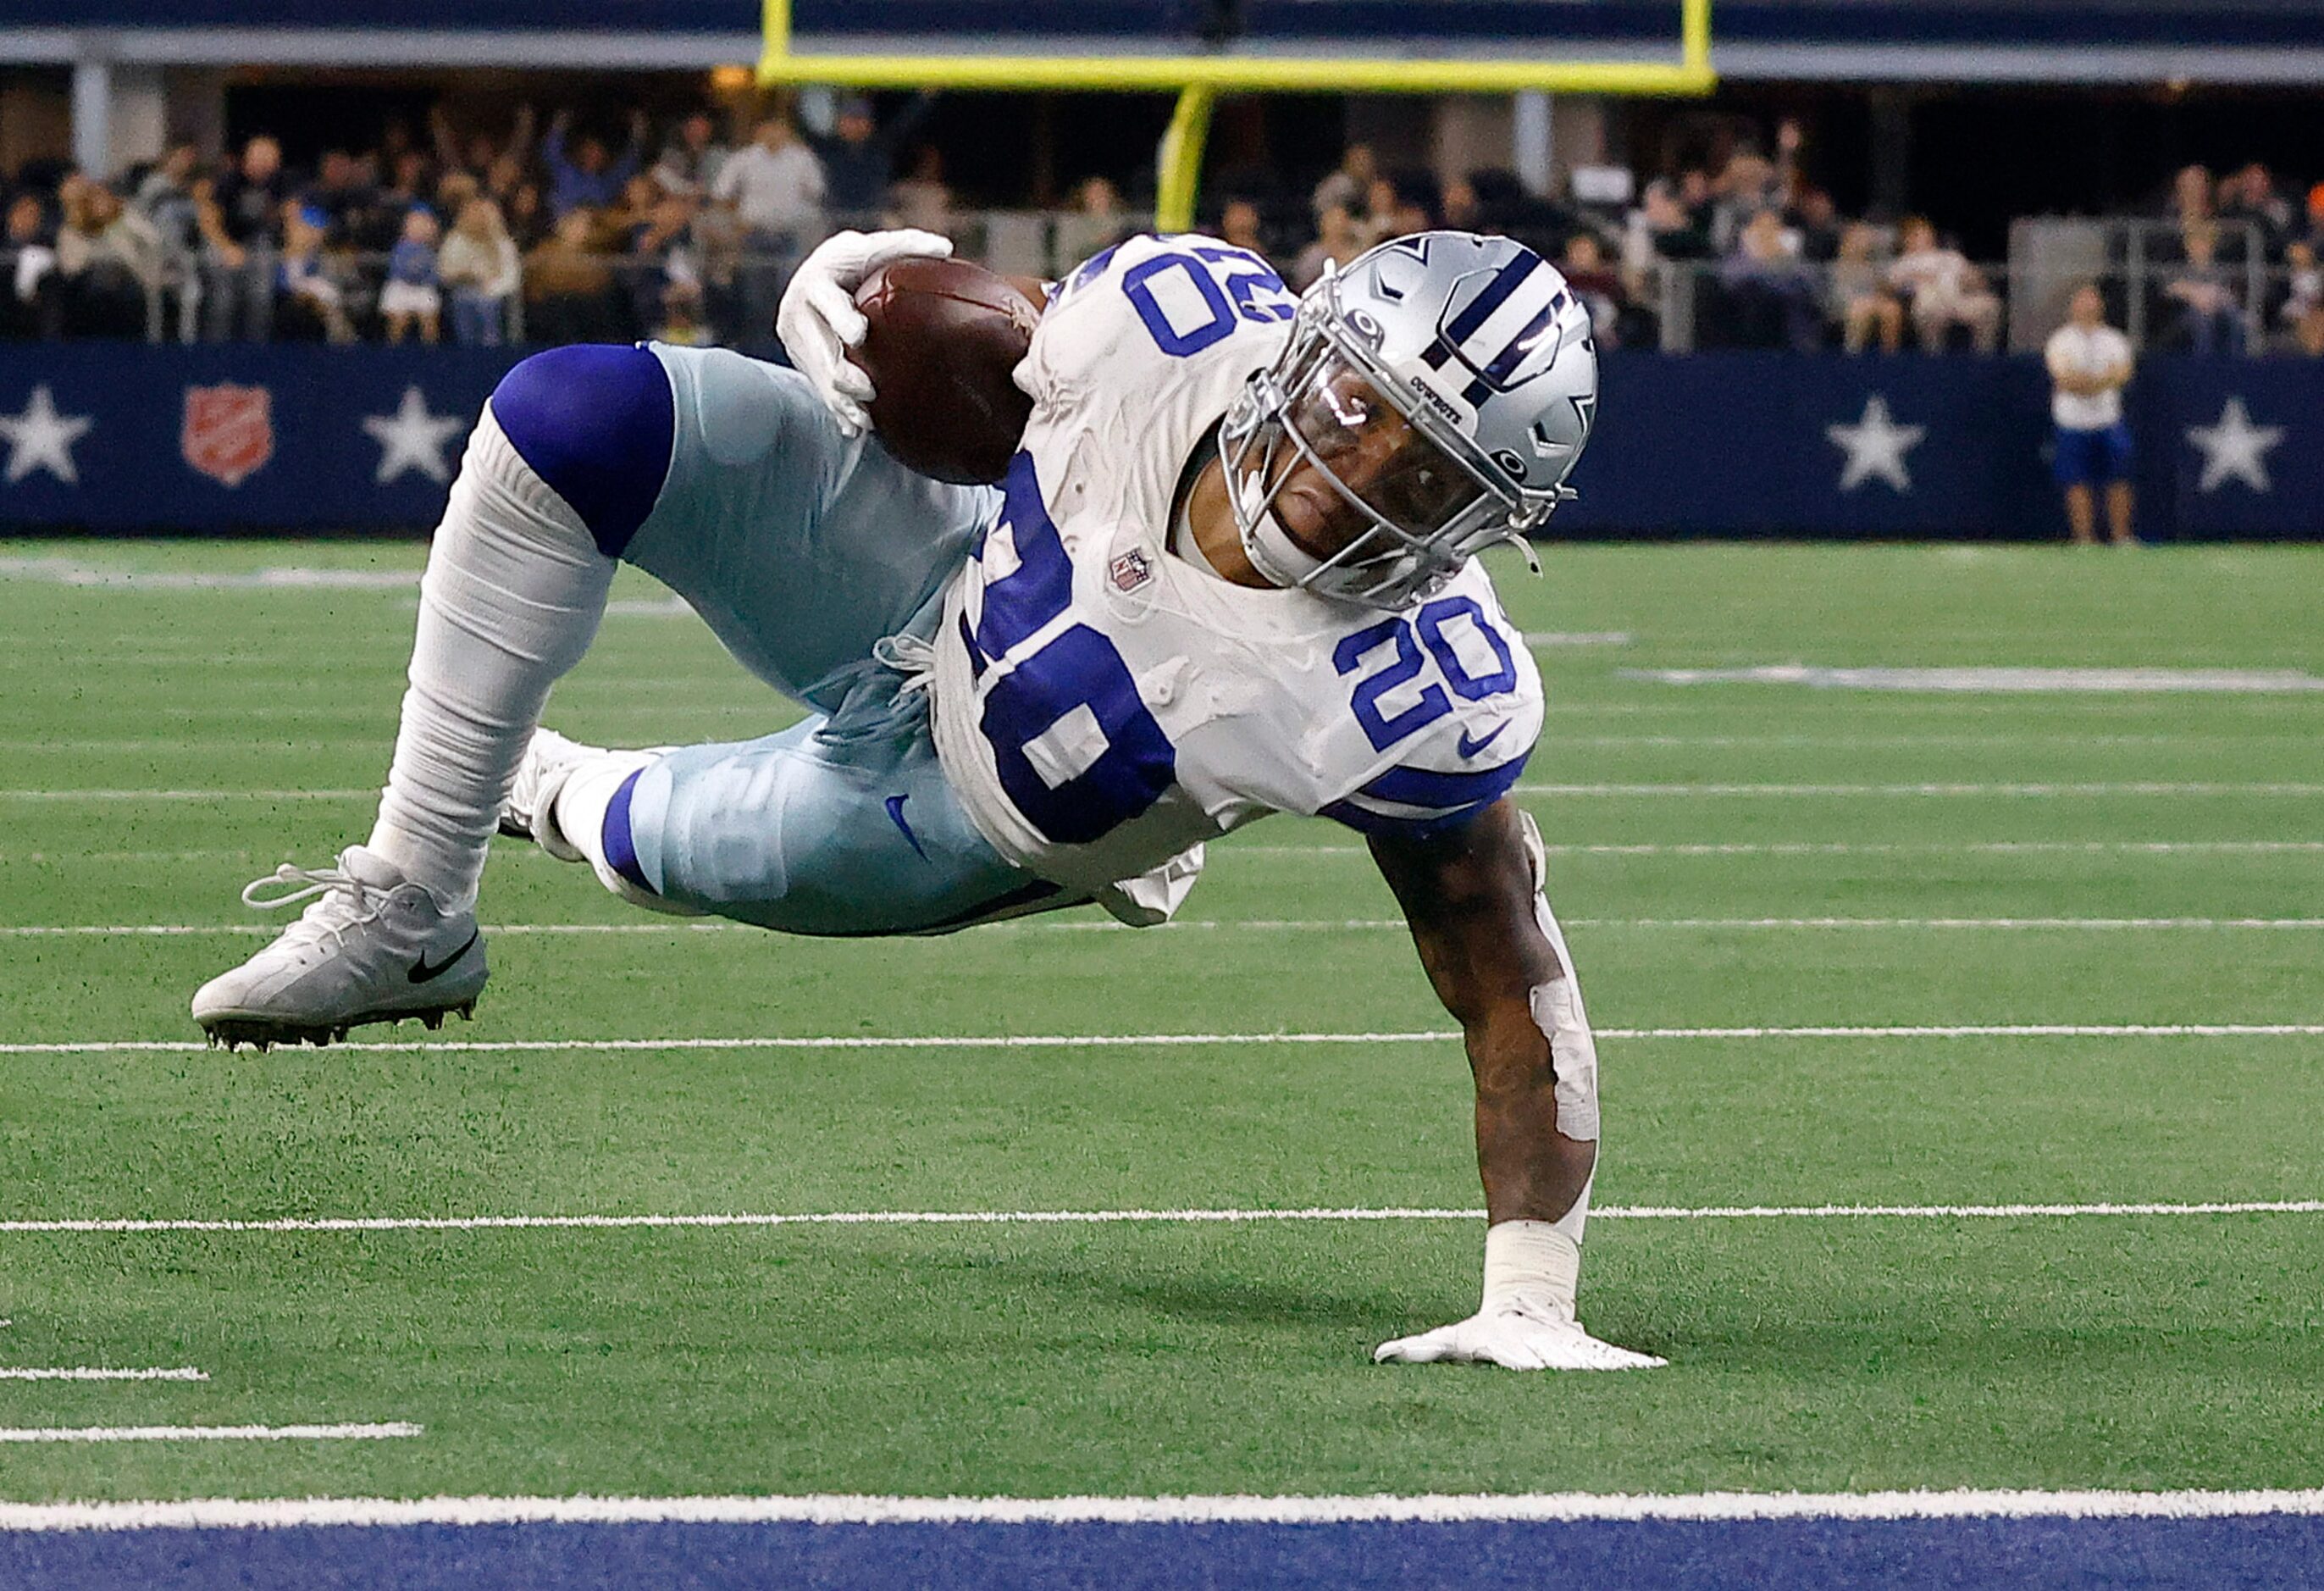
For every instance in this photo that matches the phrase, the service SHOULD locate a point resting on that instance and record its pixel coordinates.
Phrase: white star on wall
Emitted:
(412, 439)
(41, 438)
(2235, 446)
(1876, 445)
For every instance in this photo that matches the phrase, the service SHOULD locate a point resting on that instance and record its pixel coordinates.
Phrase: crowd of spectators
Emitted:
(544, 234)
(1756, 255)
(559, 233)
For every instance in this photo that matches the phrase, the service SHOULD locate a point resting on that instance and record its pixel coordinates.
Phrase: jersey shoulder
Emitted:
(1449, 699)
(1159, 312)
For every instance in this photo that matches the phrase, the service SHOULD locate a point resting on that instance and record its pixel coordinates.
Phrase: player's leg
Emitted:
(569, 454)
(811, 831)
(2070, 466)
(2119, 493)
(725, 477)
(800, 547)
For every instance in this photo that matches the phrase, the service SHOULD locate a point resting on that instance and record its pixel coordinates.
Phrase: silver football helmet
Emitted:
(1443, 386)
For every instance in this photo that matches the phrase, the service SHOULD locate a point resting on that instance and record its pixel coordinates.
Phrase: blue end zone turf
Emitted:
(2218, 1554)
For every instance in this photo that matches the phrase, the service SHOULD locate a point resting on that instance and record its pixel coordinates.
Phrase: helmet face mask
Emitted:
(1371, 432)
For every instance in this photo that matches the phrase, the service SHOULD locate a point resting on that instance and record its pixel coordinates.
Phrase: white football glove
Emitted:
(818, 321)
(1514, 1336)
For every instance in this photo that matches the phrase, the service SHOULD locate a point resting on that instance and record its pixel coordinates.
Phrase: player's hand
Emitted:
(1514, 1339)
(818, 321)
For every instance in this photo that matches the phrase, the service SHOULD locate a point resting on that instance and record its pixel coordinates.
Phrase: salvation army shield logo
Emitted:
(229, 431)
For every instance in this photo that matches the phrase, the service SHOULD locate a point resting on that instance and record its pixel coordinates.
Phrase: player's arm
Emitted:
(1490, 944)
(1469, 898)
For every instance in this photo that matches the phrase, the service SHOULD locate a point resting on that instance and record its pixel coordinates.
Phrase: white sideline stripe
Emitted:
(1173, 1041)
(1137, 1217)
(2005, 681)
(189, 795)
(1741, 849)
(209, 1433)
(1853, 848)
(834, 1509)
(90, 1372)
(2132, 787)
(1577, 638)
(2196, 786)
(66, 571)
(1264, 925)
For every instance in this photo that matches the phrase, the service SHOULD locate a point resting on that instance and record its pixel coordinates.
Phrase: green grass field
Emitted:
(1821, 1352)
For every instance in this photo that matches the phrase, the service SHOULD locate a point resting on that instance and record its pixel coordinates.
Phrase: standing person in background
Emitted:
(240, 224)
(775, 187)
(408, 298)
(1348, 184)
(859, 156)
(1339, 240)
(479, 263)
(1239, 224)
(1941, 290)
(690, 161)
(2210, 318)
(919, 198)
(1096, 223)
(589, 175)
(2089, 363)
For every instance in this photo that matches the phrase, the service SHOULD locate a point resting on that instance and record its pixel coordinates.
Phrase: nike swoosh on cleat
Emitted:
(421, 973)
(896, 811)
(1471, 746)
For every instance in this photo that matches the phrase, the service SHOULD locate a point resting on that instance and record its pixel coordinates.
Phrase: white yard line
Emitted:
(92, 1373)
(1254, 925)
(1998, 681)
(1180, 1040)
(834, 1509)
(1136, 1218)
(2159, 787)
(2124, 788)
(208, 1433)
(1856, 848)
(189, 795)
(1741, 849)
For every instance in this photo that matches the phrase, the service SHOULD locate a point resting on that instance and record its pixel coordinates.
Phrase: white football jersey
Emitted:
(1100, 705)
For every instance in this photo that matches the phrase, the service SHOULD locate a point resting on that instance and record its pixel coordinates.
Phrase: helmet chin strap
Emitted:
(1268, 546)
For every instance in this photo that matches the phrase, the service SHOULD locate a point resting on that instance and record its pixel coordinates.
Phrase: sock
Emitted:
(579, 813)
(513, 592)
(1536, 1265)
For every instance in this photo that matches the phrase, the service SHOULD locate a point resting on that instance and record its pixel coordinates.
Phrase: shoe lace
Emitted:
(287, 886)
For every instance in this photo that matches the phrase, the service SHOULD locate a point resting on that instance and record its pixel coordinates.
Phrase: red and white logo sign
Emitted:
(229, 431)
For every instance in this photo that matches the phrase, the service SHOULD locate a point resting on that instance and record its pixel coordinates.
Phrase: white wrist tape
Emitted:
(1533, 1265)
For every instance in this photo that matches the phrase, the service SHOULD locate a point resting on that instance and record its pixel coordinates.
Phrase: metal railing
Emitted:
(728, 291)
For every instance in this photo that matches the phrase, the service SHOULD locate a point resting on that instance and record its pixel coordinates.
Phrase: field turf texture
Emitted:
(198, 718)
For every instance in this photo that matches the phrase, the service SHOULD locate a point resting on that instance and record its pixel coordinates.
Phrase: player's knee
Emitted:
(598, 423)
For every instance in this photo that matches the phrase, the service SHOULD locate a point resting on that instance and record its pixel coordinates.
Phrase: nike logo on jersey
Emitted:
(1471, 744)
(896, 811)
(421, 973)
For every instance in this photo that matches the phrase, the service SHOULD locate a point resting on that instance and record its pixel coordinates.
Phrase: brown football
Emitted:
(944, 336)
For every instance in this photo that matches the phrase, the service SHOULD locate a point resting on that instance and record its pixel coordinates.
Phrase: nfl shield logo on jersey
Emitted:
(1132, 570)
(229, 431)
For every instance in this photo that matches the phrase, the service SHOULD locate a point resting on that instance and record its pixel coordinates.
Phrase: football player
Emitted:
(1230, 571)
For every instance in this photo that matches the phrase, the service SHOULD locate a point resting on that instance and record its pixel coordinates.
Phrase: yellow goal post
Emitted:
(1199, 80)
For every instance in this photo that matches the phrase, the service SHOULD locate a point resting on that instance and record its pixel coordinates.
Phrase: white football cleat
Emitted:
(373, 947)
(530, 810)
(1515, 1339)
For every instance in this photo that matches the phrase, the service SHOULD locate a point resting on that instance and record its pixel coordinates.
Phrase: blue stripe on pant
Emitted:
(794, 832)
